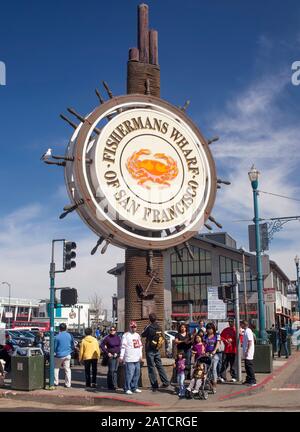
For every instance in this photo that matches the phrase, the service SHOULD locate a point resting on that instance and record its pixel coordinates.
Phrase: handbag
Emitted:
(104, 361)
(221, 347)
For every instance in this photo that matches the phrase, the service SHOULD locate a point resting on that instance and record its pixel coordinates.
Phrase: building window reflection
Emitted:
(227, 268)
(190, 279)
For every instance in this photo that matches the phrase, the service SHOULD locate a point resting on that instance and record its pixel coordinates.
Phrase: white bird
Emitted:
(47, 154)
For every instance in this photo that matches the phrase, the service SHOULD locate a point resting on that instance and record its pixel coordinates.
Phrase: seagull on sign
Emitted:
(47, 154)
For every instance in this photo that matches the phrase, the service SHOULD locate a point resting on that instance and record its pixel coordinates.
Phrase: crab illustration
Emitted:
(150, 169)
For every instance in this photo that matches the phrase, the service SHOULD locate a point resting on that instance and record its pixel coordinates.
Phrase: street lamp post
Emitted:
(297, 260)
(253, 177)
(9, 292)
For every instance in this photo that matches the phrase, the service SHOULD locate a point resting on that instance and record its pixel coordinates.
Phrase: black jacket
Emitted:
(149, 333)
(282, 335)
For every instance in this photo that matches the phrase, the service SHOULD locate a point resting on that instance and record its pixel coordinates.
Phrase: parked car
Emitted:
(170, 338)
(296, 334)
(18, 339)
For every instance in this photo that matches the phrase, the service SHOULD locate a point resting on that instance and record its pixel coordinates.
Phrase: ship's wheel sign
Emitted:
(141, 172)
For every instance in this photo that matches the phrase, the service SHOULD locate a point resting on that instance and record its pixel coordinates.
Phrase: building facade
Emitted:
(18, 310)
(216, 258)
(31, 312)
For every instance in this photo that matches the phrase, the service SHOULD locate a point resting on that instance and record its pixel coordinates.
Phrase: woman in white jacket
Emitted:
(131, 355)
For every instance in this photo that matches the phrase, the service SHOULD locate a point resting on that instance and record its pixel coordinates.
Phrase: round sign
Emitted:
(144, 172)
(72, 315)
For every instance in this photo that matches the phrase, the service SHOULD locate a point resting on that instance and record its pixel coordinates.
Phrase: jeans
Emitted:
(87, 368)
(250, 376)
(132, 375)
(284, 344)
(180, 381)
(188, 358)
(112, 374)
(215, 363)
(63, 362)
(154, 360)
(220, 364)
(228, 360)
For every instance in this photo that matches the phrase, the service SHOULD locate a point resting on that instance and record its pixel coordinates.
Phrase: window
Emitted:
(227, 268)
(189, 279)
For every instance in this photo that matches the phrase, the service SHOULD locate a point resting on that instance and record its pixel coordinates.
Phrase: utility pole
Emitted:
(190, 311)
(68, 256)
(51, 307)
(114, 308)
(9, 295)
(297, 260)
(245, 283)
(237, 280)
(79, 309)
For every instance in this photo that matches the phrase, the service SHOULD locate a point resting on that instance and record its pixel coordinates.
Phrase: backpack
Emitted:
(157, 341)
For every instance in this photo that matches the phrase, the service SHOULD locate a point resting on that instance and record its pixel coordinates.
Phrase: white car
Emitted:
(170, 337)
(295, 336)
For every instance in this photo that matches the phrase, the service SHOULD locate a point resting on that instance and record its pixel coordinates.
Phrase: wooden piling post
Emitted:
(143, 61)
(153, 47)
(143, 32)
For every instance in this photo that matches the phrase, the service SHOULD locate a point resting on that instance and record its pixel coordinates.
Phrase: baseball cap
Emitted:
(132, 324)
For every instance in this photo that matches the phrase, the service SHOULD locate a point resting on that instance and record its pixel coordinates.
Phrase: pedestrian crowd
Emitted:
(200, 356)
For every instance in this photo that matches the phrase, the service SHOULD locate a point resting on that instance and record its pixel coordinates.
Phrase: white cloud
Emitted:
(25, 252)
(255, 129)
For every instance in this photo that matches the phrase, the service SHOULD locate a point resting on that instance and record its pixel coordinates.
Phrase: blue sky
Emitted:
(231, 59)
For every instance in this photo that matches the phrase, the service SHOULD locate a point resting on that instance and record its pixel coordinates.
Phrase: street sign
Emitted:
(216, 309)
(264, 239)
(8, 314)
(269, 295)
(265, 261)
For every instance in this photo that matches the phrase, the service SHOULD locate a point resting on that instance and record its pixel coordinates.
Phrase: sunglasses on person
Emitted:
(113, 330)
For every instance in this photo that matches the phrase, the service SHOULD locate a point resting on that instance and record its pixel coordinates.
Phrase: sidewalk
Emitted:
(163, 399)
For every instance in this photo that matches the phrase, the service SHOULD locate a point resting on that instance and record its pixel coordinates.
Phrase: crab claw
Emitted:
(144, 151)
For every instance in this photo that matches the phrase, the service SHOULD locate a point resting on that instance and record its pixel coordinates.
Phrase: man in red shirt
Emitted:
(228, 336)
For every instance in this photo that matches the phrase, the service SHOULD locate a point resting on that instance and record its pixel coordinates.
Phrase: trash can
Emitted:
(27, 371)
(263, 361)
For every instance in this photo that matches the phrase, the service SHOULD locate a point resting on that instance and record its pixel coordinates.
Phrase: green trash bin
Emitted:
(27, 371)
(263, 361)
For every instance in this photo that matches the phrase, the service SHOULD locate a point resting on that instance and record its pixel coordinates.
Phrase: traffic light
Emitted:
(225, 292)
(69, 255)
(68, 296)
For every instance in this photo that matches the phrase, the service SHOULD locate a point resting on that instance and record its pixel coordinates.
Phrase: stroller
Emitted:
(206, 385)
